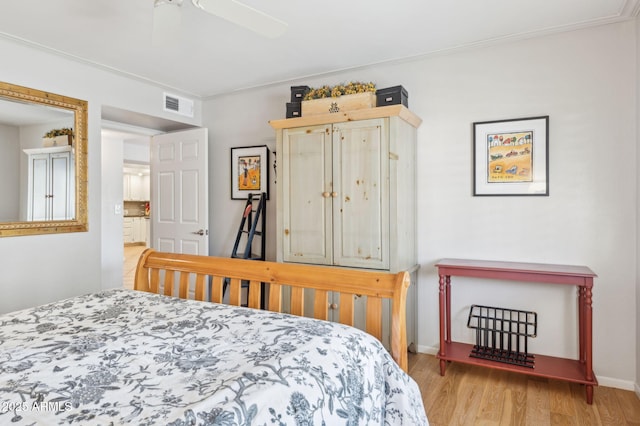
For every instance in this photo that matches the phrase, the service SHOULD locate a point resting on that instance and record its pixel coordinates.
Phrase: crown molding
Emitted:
(93, 64)
(630, 8)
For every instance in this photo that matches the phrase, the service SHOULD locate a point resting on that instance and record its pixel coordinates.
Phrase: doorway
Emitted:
(131, 256)
(126, 196)
(117, 126)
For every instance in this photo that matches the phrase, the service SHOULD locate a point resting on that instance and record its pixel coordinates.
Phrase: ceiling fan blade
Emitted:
(167, 16)
(243, 15)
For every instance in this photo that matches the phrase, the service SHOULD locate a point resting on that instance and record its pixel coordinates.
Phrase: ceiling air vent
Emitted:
(179, 105)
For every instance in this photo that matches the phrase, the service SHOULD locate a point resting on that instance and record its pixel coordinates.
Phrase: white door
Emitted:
(179, 192)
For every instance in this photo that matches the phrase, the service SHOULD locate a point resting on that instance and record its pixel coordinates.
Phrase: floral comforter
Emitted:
(128, 357)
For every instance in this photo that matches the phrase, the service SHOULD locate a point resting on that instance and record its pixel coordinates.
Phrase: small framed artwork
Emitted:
(249, 171)
(511, 157)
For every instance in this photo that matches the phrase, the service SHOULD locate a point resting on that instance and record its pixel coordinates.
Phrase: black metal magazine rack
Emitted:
(502, 334)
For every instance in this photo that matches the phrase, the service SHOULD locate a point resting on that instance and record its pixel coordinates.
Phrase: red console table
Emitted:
(577, 371)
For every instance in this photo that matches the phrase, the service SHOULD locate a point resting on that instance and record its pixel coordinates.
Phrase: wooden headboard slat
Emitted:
(374, 313)
(217, 286)
(235, 292)
(275, 298)
(155, 280)
(255, 294)
(200, 289)
(346, 308)
(168, 283)
(323, 279)
(321, 305)
(297, 301)
(184, 285)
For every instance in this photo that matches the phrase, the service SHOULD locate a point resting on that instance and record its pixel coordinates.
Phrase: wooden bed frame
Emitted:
(323, 279)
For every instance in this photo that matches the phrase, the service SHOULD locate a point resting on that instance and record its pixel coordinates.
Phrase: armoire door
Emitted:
(361, 194)
(50, 189)
(39, 191)
(62, 192)
(306, 198)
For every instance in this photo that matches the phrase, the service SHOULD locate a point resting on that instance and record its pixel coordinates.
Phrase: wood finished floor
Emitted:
(131, 255)
(469, 395)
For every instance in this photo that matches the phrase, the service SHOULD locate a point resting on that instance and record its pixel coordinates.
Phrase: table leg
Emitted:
(588, 332)
(443, 323)
(447, 291)
(581, 323)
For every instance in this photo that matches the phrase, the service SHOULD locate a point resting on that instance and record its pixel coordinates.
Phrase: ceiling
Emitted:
(211, 56)
(15, 113)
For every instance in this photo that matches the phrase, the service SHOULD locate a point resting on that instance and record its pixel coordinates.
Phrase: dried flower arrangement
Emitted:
(59, 132)
(339, 90)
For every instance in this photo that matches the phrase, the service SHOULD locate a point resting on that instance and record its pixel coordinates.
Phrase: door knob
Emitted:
(200, 232)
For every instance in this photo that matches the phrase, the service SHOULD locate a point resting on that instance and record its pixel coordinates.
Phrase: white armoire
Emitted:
(50, 183)
(347, 192)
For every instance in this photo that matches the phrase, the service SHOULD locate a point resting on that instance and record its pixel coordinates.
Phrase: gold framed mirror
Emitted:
(43, 162)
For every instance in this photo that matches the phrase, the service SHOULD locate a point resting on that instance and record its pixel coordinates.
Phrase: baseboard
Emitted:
(616, 383)
(602, 381)
(427, 349)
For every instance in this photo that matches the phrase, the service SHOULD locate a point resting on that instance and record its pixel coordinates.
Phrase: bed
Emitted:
(154, 356)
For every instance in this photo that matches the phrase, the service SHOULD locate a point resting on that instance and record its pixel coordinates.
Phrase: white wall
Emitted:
(637, 387)
(42, 268)
(589, 217)
(585, 81)
(137, 150)
(236, 121)
(112, 188)
(10, 166)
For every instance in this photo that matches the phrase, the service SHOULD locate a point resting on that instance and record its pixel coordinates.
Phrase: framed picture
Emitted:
(511, 157)
(249, 171)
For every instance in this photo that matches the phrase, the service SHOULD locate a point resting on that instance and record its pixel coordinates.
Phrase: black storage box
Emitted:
(294, 109)
(298, 92)
(392, 96)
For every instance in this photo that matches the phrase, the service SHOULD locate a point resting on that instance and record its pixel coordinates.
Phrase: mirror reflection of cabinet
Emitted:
(20, 105)
(50, 184)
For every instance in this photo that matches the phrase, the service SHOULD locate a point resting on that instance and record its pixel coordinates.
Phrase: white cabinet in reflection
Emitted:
(50, 184)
